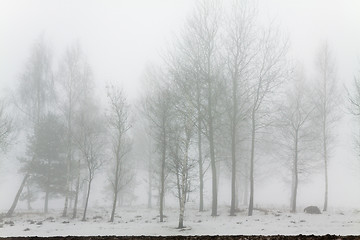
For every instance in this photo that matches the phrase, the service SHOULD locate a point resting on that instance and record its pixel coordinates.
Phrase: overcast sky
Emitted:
(120, 37)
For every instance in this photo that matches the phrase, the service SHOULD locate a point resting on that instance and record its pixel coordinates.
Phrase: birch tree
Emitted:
(182, 163)
(182, 128)
(183, 64)
(119, 125)
(327, 103)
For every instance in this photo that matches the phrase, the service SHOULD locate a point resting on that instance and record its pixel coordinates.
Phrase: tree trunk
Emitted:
(214, 180)
(233, 173)
(212, 156)
(200, 160)
(251, 201)
(325, 157)
(67, 191)
(246, 185)
(182, 205)
(201, 188)
(47, 190)
(114, 206)
(87, 201)
(295, 177)
(162, 180)
(180, 197)
(233, 144)
(150, 184)
(69, 156)
(181, 217)
(326, 184)
(201, 173)
(71, 199)
(28, 197)
(325, 142)
(46, 206)
(76, 194)
(13, 206)
(181, 201)
(325, 160)
(84, 193)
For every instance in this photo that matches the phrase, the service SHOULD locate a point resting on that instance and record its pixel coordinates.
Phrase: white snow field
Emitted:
(143, 221)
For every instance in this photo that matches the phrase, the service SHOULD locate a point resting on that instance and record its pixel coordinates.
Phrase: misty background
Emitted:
(120, 39)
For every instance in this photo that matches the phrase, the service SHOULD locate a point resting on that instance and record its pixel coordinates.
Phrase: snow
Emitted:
(143, 221)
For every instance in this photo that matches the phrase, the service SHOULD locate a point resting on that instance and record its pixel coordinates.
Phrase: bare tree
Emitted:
(182, 131)
(354, 100)
(119, 125)
(181, 165)
(239, 50)
(327, 102)
(144, 151)
(183, 62)
(90, 140)
(74, 76)
(204, 26)
(297, 135)
(158, 110)
(268, 75)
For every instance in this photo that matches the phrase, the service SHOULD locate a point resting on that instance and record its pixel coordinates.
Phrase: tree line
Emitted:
(68, 137)
(225, 97)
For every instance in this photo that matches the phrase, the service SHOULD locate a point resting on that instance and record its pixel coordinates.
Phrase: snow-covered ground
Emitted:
(143, 221)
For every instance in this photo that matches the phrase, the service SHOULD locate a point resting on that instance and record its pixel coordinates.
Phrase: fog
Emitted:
(131, 46)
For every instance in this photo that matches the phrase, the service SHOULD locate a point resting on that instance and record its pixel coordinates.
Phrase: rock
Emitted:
(312, 210)
(27, 229)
